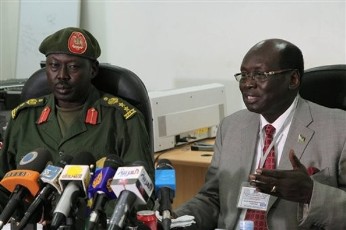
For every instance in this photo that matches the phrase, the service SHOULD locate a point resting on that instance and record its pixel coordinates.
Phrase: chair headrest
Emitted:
(325, 85)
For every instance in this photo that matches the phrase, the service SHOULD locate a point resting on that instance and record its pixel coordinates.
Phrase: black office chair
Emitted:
(325, 85)
(111, 79)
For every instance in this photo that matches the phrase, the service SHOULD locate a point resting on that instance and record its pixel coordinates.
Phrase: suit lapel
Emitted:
(298, 137)
(249, 142)
(299, 134)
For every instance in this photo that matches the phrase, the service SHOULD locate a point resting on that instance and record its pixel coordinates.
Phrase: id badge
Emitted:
(249, 198)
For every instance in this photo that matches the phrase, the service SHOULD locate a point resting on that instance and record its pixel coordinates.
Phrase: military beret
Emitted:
(73, 41)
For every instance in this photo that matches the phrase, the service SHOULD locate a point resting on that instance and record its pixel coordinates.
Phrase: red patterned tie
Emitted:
(259, 217)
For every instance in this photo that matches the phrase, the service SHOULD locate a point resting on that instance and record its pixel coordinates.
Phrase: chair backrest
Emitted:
(111, 79)
(325, 85)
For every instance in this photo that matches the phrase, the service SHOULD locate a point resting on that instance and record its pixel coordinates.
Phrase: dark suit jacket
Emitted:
(318, 137)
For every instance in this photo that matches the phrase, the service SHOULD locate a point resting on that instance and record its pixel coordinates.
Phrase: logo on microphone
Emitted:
(17, 173)
(109, 181)
(127, 171)
(29, 157)
(50, 173)
(146, 181)
(73, 172)
(97, 180)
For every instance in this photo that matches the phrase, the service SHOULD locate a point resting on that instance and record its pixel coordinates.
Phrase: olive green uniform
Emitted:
(106, 124)
(118, 129)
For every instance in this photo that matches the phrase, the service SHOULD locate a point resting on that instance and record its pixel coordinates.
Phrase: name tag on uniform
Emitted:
(249, 198)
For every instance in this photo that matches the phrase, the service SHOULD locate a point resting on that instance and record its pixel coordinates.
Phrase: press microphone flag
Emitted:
(165, 186)
(103, 177)
(132, 185)
(134, 179)
(24, 181)
(49, 177)
(75, 173)
(100, 191)
(74, 180)
(165, 176)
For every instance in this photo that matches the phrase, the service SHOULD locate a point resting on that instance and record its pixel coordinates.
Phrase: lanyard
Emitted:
(277, 137)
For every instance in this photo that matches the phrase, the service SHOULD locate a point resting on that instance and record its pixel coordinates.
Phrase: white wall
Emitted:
(179, 43)
(9, 17)
(50, 16)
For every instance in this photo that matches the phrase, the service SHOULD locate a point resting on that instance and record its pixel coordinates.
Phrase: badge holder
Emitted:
(249, 198)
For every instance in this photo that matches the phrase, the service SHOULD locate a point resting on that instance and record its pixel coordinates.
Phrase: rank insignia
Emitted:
(44, 115)
(91, 116)
(28, 104)
(127, 109)
(31, 101)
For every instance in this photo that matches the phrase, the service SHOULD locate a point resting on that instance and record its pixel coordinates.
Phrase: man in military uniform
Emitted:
(75, 117)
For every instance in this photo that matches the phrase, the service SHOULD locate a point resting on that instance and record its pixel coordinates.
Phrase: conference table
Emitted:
(190, 168)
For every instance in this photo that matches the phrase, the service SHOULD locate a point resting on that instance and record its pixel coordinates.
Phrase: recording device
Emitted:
(132, 185)
(24, 181)
(49, 176)
(100, 191)
(74, 180)
(165, 185)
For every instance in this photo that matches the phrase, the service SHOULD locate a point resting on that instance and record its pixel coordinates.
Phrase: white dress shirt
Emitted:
(282, 125)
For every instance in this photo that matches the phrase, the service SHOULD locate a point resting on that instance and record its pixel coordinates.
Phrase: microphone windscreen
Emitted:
(164, 164)
(113, 161)
(139, 163)
(35, 160)
(65, 160)
(83, 158)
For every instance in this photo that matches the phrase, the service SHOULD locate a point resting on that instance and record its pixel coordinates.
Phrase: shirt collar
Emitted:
(280, 120)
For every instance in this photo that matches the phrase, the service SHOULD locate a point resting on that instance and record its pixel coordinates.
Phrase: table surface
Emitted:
(183, 155)
(190, 167)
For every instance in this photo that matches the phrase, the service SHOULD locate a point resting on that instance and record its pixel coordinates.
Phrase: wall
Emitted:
(179, 43)
(9, 17)
(37, 20)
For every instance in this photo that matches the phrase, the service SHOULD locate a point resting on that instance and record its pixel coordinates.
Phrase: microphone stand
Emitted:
(29, 226)
(98, 217)
(17, 216)
(76, 220)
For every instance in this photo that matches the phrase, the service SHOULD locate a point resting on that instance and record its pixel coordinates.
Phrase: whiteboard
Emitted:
(38, 19)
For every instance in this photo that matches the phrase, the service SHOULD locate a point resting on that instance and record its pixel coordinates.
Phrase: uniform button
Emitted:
(61, 153)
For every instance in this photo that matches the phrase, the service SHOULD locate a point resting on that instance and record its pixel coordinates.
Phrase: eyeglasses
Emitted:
(259, 76)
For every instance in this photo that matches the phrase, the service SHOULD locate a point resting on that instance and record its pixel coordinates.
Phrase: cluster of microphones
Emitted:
(73, 194)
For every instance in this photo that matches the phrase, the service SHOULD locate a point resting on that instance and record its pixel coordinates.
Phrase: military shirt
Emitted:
(108, 125)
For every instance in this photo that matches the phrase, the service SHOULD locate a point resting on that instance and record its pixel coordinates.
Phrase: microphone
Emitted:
(165, 185)
(74, 180)
(100, 191)
(4, 197)
(132, 185)
(24, 181)
(49, 176)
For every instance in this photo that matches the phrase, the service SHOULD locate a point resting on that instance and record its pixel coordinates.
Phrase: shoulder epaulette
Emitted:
(29, 103)
(127, 109)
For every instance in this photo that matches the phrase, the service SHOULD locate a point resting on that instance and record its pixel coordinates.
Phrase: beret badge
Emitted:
(77, 43)
(71, 41)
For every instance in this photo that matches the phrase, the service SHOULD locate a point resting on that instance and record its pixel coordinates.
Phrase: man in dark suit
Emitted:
(306, 188)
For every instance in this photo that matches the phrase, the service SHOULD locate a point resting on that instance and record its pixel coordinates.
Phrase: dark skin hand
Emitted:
(293, 185)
